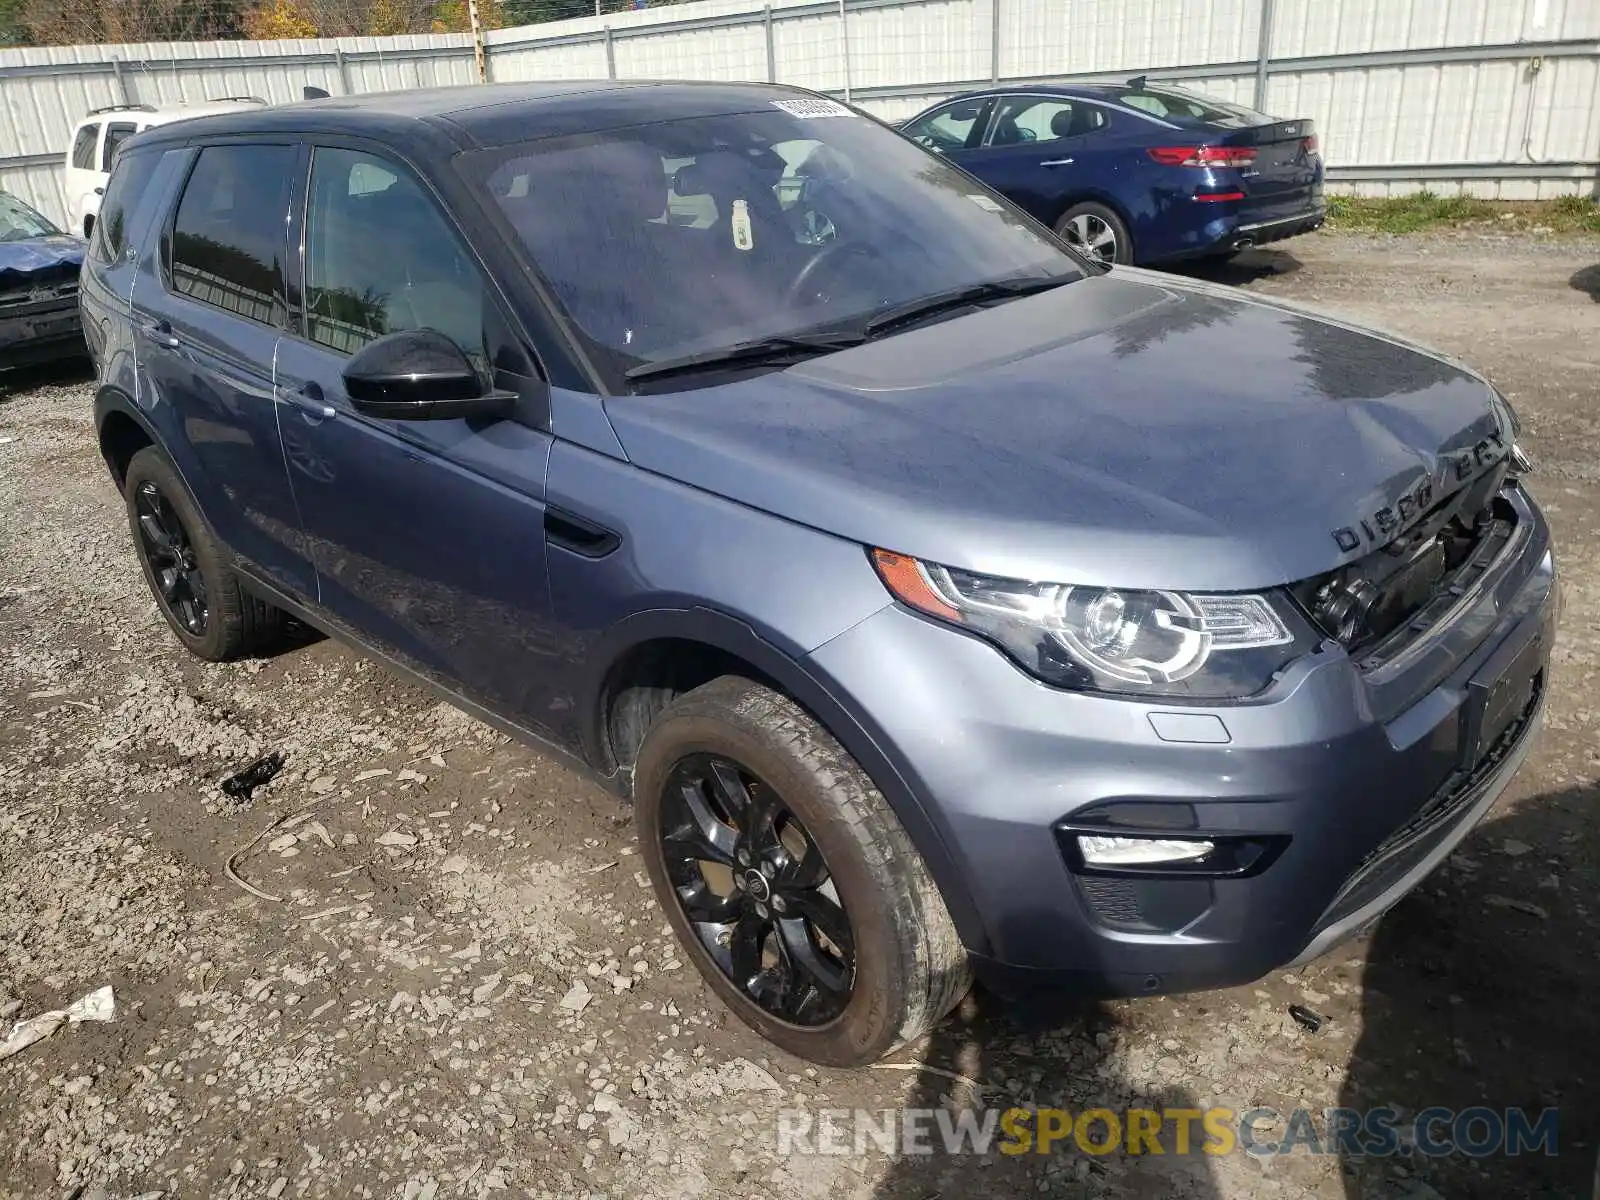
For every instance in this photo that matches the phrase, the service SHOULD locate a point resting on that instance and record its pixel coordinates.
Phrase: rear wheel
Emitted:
(1096, 232)
(788, 880)
(187, 569)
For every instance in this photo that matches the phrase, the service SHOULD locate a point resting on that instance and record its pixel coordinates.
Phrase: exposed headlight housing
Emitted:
(1109, 639)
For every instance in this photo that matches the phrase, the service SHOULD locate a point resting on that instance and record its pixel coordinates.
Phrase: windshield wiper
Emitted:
(783, 348)
(995, 289)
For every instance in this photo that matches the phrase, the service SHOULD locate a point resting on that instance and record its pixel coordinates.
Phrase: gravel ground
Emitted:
(448, 976)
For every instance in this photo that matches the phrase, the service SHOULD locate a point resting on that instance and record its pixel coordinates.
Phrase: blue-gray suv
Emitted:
(943, 602)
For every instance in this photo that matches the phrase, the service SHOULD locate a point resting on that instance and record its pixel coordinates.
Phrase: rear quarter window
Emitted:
(1182, 108)
(116, 134)
(83, 146)
(130, 178)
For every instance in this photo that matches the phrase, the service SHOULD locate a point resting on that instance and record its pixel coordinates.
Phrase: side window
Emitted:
(950, 127)
(116, 134)
(83, 146)
(129, 178)
(228, 235)
(380, 258)
(1027, 119)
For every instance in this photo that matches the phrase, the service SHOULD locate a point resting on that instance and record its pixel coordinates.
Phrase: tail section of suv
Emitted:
(935, 615)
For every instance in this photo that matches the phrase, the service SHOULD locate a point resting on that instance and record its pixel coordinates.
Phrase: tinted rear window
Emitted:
(83, 146)
(1190, 110)
(130, 176)
(228, 237)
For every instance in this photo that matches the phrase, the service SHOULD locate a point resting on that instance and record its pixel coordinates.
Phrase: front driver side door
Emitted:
(953, 130)
(1039, 151)
(428, 536)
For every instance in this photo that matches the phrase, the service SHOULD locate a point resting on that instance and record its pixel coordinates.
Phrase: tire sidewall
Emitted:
(151, 466)
(870, 1023)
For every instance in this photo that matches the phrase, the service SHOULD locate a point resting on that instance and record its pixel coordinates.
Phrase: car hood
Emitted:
(1130, 429)
(41, 259)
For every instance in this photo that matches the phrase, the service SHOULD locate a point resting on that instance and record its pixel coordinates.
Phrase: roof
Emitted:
(171, 112)
(1110, 92)
(485, 115)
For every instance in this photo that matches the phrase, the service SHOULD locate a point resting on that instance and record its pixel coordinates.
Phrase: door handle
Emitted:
(311, 403)
(577, 534)
(160, 332)
(1056, 162)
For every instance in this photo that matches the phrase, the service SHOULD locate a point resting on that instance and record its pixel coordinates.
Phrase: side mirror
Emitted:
(420, 375)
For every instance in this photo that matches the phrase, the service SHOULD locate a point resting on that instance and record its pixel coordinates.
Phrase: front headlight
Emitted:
(1108, 639)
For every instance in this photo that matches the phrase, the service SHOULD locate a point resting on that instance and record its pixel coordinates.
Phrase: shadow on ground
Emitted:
(1588, 280)
(1245, 267)
(1480, 991)
(1068, 1064)
(59, 373)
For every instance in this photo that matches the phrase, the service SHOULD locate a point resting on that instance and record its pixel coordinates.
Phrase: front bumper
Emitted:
(40, 331)
(1358, 804)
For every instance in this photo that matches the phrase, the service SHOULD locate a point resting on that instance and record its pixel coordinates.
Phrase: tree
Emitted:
(85, 22)
(278, 19)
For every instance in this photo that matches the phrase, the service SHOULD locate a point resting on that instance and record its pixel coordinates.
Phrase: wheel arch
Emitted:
(121, 429)
(648, 655)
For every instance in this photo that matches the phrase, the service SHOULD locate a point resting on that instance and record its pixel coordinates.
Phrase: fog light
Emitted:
(1126, 851)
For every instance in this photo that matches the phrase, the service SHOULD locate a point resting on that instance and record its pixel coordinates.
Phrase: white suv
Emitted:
(96, 139)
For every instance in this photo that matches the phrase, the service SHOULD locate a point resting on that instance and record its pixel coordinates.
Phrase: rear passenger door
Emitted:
(209, 303)
(429, 535)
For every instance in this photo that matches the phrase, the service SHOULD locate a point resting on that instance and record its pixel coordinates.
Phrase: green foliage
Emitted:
(1425, 210)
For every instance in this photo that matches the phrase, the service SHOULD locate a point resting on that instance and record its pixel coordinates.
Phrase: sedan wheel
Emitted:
(1097, 233)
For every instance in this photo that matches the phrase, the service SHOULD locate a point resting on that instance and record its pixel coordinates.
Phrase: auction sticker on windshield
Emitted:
(807, 109)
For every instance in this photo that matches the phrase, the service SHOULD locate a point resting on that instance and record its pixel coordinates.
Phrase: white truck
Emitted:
(96, 138)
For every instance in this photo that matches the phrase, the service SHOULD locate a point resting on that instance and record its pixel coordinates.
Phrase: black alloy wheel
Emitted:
(757, 891)
(174, 565)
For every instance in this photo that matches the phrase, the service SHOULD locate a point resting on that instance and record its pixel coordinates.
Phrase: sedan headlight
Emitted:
(1149, 643)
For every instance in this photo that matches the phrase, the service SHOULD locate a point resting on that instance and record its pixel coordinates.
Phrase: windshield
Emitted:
(18, 222)
(693, 235)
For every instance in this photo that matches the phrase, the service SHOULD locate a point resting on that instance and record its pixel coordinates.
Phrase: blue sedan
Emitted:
(1135, 173)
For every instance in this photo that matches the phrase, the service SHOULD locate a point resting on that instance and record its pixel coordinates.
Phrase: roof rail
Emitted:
(236, 99)
(95, 112)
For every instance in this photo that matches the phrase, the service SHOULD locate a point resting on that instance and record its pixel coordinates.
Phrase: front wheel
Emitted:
(788, 879)
(1097, 233)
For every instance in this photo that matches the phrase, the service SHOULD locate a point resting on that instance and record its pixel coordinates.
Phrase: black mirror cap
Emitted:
(418, 375)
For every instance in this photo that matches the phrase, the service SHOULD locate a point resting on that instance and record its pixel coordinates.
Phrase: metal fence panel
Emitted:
(1496, 96)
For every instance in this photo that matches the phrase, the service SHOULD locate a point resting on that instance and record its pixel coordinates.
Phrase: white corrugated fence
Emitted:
(1494, 97)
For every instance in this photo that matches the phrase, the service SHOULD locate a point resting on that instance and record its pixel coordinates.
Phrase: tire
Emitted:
(1082, 227)
(898, 952)
(194, 572)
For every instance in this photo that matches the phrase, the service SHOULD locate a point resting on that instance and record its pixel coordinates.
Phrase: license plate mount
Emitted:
(1496, 699)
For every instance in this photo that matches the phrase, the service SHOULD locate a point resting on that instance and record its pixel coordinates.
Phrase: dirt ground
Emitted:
(461, 986)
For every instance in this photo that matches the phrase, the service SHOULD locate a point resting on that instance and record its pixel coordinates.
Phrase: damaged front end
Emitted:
(39, 299)
(1389, 606)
